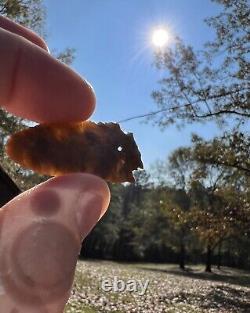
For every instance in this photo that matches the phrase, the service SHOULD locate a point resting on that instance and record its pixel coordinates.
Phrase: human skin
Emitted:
(41, 230)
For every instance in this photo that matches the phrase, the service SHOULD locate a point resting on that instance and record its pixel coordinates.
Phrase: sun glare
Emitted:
(160, 37)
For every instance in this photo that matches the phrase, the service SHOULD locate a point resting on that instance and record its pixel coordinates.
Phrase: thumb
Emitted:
(40, 238)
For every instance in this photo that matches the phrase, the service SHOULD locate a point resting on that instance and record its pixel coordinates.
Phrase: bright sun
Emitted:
(160, 37)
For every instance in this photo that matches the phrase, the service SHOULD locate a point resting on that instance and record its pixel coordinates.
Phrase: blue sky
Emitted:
(113, 51)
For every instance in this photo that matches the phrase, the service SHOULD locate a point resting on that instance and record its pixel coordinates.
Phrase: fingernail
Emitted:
(89, 210)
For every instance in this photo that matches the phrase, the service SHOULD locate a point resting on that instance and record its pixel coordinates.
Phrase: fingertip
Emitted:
(84, 182)
(91, 199)
(88, 104)
(38, 87)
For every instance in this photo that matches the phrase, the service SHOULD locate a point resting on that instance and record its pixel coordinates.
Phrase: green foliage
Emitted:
(230, 150)
(66, 56)
(30, 13)
(180, 167)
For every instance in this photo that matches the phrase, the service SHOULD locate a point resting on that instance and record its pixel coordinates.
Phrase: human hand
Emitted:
(41, 230)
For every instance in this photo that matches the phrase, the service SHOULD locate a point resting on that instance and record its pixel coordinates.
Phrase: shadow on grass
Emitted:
(220, 297)
(229, 298)
(235, 277)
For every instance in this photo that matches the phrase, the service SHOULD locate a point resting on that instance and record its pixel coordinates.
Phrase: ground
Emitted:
(169, 290)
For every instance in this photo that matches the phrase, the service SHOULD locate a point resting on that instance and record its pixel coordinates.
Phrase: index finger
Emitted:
(38, 87)
(20, 30)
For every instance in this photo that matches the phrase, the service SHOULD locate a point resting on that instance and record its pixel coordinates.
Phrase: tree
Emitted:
(218, 216)
(204, 86)
(202, 200)
(211, 84)
(176, 205)
(198, 183)
(219, 198)
(180, 168)
(232, 150)
(175, 202)
(152, 238)
(30, 13)
(208, 219)
(133, 207)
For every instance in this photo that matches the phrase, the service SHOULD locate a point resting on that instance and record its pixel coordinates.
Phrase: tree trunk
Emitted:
(209, 260)
(219, 257)
(182, 257)
(8, 189)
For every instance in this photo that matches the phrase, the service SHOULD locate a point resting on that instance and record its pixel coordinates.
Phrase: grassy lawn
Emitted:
(169, 290)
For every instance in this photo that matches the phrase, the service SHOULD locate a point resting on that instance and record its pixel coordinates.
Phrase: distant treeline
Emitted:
(152, 223)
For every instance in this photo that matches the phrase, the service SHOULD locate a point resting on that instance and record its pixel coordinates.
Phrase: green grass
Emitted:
(170, 290)
(77, 307)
